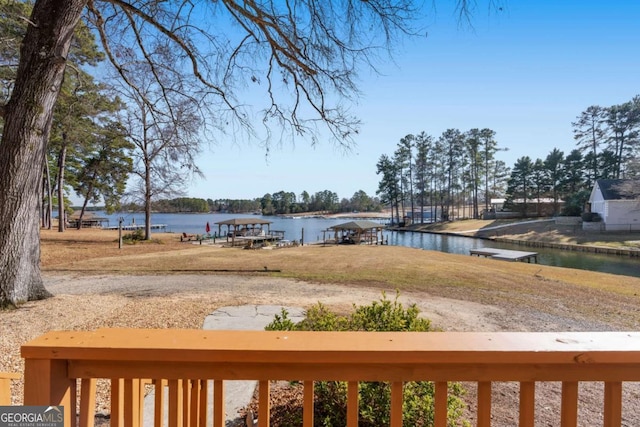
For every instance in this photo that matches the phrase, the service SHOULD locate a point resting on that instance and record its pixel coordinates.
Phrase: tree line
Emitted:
(278, 203)
(446, 175)
(457, 174)
(607, 142)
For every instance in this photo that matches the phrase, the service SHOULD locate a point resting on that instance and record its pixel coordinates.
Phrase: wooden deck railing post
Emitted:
(46, 383)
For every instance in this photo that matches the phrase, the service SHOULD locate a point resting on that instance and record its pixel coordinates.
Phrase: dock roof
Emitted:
(244, 221)
(357, 225)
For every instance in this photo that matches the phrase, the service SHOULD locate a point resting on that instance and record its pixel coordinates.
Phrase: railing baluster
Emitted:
(612, 404)
(352, 404)
(159, 402)
(117, 402)
(186, 397)
(131, 402)
(194, 403)
(396, 404)
(203, 415)
(142, 386)
(484, 404)
(441, 404)
(194, 400)
(307, 414)
(87, 402)
(527, 403)
(218, 403)
(263, 404)
(175, 403)
(569, 408)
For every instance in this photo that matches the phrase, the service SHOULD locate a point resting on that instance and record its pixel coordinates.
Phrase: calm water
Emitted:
(313, 232)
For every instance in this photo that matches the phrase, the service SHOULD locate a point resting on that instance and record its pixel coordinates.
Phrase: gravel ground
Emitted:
(84, 302)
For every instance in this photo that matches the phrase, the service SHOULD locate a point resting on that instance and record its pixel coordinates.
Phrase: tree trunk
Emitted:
(62, 158)
(49, 198)
(147, 202)
(23, 146)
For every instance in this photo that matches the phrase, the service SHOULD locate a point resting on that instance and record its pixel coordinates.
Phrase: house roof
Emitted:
(244, 221)
(613, 189)
(357, 225)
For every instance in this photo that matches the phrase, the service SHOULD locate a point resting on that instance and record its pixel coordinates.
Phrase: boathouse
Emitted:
(89, 220)
(358, 232)
(248, 231)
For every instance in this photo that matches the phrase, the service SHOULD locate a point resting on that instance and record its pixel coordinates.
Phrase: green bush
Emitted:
(135, 236)
(374, 397)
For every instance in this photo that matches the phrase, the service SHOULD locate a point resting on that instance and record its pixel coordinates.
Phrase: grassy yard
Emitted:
(608, 298)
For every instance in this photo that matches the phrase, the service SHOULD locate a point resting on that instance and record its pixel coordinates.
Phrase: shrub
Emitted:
(135, 236)
(374, 397)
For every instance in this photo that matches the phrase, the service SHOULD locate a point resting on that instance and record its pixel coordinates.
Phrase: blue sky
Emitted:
(526, 72)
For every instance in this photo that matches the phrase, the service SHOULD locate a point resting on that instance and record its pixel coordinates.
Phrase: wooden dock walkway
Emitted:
(136, 227)
(505, 254)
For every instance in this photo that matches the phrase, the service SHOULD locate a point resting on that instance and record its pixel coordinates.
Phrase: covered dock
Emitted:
(357, 232)
(89, 220)
(248, 231)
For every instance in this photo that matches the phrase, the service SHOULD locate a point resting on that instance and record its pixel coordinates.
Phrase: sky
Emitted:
(526, 71)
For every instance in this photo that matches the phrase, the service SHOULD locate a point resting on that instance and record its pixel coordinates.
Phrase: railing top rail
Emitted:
(171, 345)
(10, 375)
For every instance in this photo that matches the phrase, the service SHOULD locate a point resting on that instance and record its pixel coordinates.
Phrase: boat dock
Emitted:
(136, 227)
(505, 254)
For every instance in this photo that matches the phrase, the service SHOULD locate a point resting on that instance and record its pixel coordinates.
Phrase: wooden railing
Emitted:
(185, 361)
(5, 387)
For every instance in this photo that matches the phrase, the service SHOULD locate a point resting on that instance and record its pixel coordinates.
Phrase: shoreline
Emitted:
(629, 252)
(540, 234)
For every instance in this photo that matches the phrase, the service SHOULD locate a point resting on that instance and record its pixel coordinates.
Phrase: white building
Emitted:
(619, 211)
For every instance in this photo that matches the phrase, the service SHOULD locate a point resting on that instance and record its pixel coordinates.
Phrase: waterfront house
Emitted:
(616, 204)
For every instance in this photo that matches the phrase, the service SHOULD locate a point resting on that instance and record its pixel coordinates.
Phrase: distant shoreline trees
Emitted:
(279, 203)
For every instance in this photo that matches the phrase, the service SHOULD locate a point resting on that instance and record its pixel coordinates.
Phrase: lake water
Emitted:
(311, 230)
